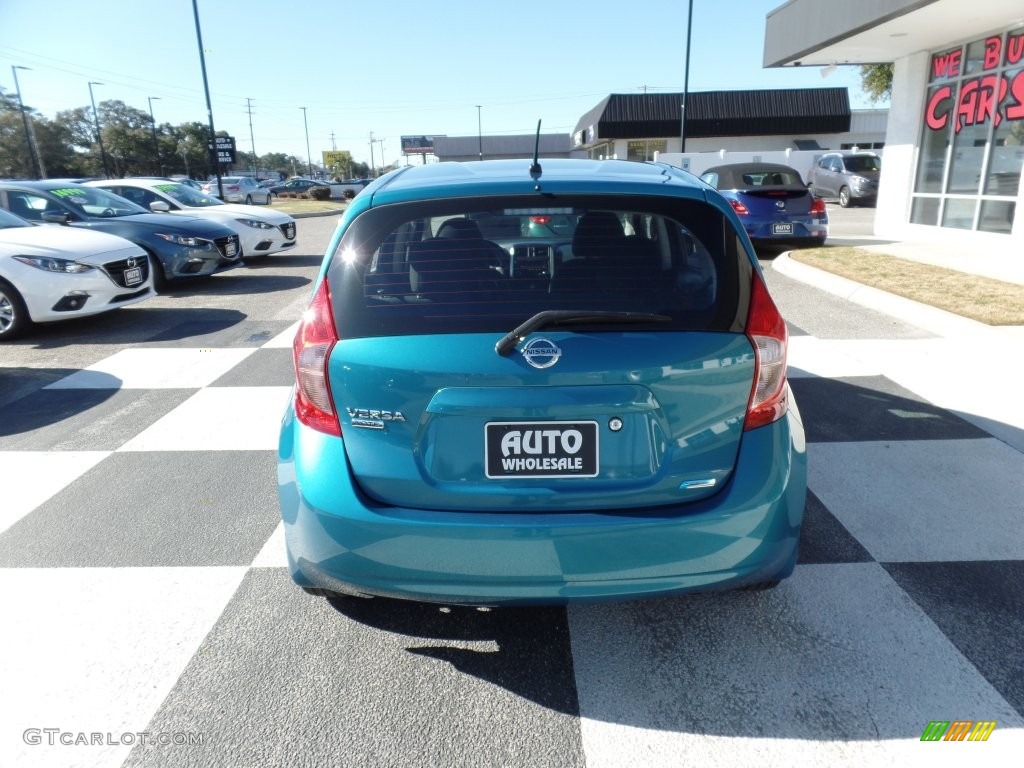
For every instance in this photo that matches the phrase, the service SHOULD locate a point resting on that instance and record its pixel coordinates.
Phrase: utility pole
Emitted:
(373, 170)
(479, 132)
(209, 106)
(99, 134)
(24, 119)
(686, 80)
(334, 147)
(309, 158)
(252, 141)
(156, 144)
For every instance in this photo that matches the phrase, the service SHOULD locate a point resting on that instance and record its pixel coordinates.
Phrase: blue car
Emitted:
(601, 413)
(776, 207)
(178, 247)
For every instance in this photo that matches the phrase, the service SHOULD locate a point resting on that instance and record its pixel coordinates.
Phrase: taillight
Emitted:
(541, 219)
(739, 207)
(767, 333)
(818, 206)
(311, 350)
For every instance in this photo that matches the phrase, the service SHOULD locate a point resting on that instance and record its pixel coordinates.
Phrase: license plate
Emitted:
(231, 248)
(133, 276)
(782, 229)
(530, 449)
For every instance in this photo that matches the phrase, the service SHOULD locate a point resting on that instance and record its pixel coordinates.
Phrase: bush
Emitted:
(320, 193)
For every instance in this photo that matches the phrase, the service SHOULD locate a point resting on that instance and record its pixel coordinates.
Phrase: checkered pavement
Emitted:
(144, 591)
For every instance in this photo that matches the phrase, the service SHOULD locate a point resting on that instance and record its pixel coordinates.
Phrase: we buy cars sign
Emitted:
(223, 151)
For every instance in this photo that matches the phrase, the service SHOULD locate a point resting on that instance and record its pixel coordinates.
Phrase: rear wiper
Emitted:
(555, 317)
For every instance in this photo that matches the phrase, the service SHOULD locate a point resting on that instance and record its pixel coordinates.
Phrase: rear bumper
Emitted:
(337, 539)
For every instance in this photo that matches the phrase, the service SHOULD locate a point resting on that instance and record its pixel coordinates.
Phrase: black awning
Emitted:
(721, 113)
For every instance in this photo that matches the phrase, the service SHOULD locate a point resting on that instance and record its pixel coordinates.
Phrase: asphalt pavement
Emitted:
(150, 620)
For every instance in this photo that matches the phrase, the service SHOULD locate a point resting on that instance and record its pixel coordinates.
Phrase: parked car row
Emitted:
(71, 249)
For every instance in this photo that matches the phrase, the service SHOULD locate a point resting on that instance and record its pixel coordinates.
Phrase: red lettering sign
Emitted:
(1016, 111)
(935, 117)
(946, 64)
(993, 46)
(979, 100)
(1014, 48)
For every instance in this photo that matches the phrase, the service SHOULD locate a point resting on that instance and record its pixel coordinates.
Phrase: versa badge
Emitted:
(371, 418)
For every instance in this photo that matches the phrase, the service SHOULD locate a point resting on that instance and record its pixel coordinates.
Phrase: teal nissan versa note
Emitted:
(490, 412)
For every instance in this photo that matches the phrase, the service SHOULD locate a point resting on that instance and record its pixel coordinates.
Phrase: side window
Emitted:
(836, 165)
(28, 206)
(145, 198)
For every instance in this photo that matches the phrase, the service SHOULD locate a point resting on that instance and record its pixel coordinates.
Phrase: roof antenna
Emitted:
(535, 169)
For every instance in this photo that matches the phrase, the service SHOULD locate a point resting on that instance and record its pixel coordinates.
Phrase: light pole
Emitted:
(479, 132)
(686, 80)
(209, 107)
(252, 140)
(24, 120)
(156, 144)
(309, 157)
(96, 123)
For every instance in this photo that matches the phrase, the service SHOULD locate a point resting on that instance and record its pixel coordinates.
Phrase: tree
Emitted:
(876, 81)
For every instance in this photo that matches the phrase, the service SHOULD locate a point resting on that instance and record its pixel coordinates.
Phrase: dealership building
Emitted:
(954, 143)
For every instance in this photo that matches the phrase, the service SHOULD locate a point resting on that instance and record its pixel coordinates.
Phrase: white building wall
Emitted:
(909, 80)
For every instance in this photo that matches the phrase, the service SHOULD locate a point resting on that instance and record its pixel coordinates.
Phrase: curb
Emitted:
(938, 321)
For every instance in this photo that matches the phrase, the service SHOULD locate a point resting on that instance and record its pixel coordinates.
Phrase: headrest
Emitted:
(595, 232)
(461, 229)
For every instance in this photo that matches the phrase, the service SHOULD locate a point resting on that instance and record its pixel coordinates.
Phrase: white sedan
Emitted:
(260, 231)
(55, 273)
(239, 189)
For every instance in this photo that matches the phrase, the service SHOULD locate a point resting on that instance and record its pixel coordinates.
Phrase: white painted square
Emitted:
(811, 356)
(273, 555)
(835, 667)
(156, 368)
(925, 500)
(284, 339)
(31, 477)
(96, 650)
(218, 419)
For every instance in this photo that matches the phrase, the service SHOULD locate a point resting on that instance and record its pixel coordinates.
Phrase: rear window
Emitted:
(486, 265)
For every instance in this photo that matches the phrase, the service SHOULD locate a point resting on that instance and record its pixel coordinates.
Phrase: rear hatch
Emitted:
(634, 396)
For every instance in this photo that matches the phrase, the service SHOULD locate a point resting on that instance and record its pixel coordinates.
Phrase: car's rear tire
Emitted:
(14, 319)
(844, 197)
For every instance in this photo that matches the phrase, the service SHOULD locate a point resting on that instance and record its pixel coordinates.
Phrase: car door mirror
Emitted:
(56, 218)
(159, 206)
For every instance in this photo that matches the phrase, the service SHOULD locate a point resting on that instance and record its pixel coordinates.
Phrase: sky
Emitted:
(391, 67)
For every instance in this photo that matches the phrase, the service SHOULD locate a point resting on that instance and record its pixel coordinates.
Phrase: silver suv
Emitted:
(849, 177)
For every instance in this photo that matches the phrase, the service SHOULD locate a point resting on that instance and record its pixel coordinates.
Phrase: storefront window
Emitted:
(972, 144)
(925, 210)
(958, 213)
(932, 162)
(644, 149)
(997, 216)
